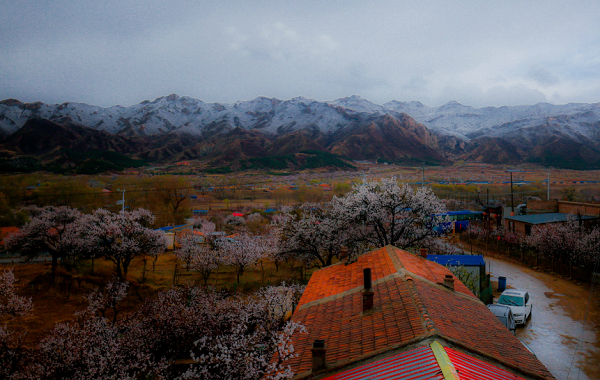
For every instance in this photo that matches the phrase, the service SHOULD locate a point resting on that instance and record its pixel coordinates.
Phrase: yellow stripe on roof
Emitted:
(444, 362)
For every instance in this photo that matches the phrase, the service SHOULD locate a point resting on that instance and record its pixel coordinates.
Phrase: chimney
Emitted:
(424, 253)
(319, 351)
(368, 290)
(449, 281)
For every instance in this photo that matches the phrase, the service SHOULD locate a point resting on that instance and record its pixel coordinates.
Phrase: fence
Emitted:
(530, 258)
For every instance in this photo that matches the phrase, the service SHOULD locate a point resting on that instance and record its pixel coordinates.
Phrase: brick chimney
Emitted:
(424, 253)
(368, 293)
(319, 359)
(449, 281)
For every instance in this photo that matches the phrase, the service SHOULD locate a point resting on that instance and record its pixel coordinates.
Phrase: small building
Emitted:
(522, 224)
(474, 266)
(173, 231)
(201, 212)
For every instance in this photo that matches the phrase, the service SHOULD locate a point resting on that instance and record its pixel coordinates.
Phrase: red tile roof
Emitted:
(410, 305)
(350, 334)
(339, 278)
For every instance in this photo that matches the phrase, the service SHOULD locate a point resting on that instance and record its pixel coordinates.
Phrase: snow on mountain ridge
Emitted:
(175, 113)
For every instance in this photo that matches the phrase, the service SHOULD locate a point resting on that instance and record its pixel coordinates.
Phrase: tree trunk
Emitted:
(54, 265)
(118, 268)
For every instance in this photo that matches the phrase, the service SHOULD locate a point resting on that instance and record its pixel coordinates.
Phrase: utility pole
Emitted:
(122, 201)
(512, 196)
(423, 170)
(548, 185)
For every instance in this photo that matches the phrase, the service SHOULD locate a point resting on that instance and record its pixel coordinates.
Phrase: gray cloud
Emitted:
(542, 76)
(125, 51)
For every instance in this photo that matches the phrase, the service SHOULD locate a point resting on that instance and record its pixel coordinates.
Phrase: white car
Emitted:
(519, 302)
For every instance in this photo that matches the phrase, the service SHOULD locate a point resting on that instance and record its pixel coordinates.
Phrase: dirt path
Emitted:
(564, 330)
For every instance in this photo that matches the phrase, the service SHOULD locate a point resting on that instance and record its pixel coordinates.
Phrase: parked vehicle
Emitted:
(504, 315)
(519, 303)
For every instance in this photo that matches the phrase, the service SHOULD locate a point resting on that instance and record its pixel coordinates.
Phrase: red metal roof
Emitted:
(469, 368)
(419, 363)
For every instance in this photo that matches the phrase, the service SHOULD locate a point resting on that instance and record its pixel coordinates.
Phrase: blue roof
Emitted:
(454, 260)
(545, 218)
(168, 228)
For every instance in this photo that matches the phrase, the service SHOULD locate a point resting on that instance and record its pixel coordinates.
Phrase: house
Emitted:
(200, 212)
(391, 314)
(522, 224)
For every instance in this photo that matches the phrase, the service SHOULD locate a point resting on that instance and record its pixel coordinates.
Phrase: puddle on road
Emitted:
(564, 330)
(553, 295)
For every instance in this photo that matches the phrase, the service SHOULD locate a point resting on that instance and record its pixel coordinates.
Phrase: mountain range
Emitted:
(174, 128)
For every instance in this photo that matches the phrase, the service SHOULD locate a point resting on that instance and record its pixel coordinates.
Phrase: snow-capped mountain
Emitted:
(574, 119)
(511, 134)
(184, 114)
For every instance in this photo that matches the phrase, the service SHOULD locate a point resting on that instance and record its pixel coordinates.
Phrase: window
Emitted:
(510, 300)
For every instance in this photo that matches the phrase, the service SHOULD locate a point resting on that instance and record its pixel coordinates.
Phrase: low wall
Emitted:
(591, 209)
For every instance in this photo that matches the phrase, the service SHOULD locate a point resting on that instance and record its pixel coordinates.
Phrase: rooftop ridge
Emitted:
(393, 254)
(425, 317)
(347, 292)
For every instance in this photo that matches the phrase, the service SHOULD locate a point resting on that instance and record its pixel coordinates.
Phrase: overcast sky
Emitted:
(479, 53)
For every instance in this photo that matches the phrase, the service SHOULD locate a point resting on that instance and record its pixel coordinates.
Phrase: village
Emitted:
(385, 270)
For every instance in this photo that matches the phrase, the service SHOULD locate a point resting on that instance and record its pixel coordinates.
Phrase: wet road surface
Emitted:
(564, 329)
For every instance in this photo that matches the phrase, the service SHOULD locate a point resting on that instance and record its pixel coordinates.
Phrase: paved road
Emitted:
(562, 331)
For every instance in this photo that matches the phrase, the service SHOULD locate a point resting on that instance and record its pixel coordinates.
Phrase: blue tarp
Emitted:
(456, 260)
